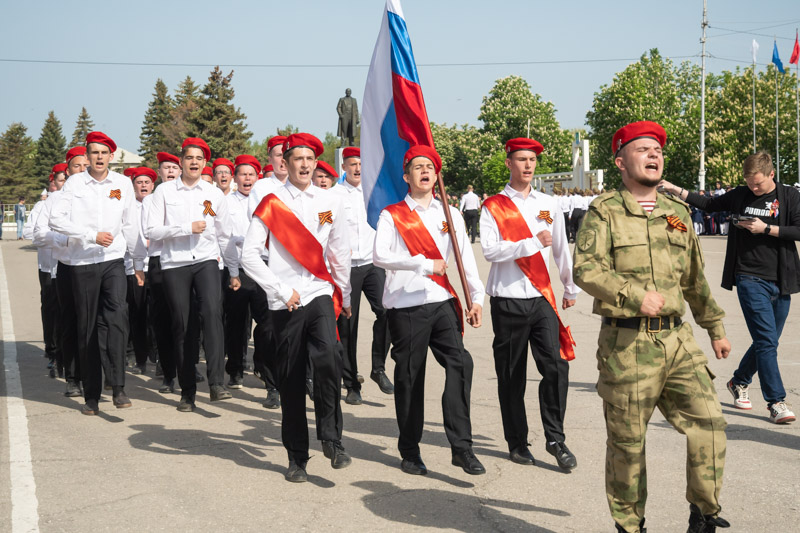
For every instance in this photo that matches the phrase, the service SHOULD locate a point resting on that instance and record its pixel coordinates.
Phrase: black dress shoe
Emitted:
(186, 404)
(468, 462)
(121, 400)
(198, 377)
(90, 408)
(159, 370)
(218, 393)
(334, 451)
(563, 456)
(414, 466)
(273, 400)
(73, 389)
(296, 472)
(383, 382)
(353, 397)
(135, 370)
(235, 382)
(167, 386)
(522, 456)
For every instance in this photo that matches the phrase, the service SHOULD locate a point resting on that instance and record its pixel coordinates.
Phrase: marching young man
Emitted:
(305, 231)
(519, 227)
(190, 218)
(96, 211)
(364, 277)
(412, 244)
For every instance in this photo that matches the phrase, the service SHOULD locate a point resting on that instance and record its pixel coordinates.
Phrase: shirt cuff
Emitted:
(90, 237)
(716, 331)
(187, 228)
(234, 271)
(138, 264)
(285, 293)
(346, 302)
(427, 267)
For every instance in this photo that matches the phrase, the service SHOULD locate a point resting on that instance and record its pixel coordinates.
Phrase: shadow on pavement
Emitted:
(434, 508)
(782, 439)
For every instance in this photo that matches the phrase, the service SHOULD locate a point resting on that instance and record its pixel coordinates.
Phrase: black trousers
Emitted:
(249, 302)
(179, 284)
(308, 334)
(137, 320)
(518, 323)
(370, 280)
(160, 318)
(413, 330)
(471, 221)
(67, 329)
(575, 221)
(101, 316)
(48, 295)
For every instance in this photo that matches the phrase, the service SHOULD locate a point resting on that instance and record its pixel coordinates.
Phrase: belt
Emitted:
(649, 324)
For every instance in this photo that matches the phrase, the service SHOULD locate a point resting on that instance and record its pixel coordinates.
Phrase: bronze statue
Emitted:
(348, 118)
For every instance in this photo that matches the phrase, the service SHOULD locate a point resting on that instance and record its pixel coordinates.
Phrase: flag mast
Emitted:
(702, 173)
(755, 51)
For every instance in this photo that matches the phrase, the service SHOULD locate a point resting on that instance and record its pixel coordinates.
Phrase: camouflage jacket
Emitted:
(621, 253)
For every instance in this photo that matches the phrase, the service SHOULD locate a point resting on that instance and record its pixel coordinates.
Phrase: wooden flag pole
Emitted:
(454, 242)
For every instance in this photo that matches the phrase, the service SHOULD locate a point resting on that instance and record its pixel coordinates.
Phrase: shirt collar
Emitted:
(511, 192)
(351, 187)
(181, 185)
(310, 191)
(412, 204)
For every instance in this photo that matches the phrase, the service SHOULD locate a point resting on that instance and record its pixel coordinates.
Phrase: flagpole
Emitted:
(754, 103)
(454, 242)
(777, 133)
(797, 104)
(701, 178)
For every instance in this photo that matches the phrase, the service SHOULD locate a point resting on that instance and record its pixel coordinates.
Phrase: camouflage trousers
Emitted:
(640, 371)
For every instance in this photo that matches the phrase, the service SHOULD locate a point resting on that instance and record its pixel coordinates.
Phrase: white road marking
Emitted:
(24, 505)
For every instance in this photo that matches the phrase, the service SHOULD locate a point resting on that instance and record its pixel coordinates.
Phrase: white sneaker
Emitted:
(779, 413)
(741, 396)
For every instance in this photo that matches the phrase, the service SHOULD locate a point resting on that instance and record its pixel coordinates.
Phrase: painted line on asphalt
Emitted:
(24, 505)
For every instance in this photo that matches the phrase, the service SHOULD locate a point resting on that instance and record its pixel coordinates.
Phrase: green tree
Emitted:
(464, 150)
(17, 151)
(729, 137)
(651, 89)
(187, 91)
(50, 149)
(217, 120)
(495, 173)
(152, 139)
(83, 126)
(505, 112)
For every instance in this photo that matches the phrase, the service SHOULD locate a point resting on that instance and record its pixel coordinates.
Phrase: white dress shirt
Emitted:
(259, 190)
(153, 245)
(44, 250)
(470, 201)
(407, 281)
(563, 202)
(362, 236)
(129, 270)
(237, 209)
(169, 219)
(505, 277)
(87, 207)
(284, 273)
(44, 236)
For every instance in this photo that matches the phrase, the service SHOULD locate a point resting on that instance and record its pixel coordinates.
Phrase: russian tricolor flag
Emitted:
(393, 116)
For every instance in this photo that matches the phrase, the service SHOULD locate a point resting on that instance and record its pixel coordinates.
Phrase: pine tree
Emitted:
(84, 125)
(187, 91)
(50, 149)
(16, 165)
(216, 119)
(152, 138)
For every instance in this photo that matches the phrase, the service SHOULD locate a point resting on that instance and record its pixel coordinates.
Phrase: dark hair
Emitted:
(185, 148)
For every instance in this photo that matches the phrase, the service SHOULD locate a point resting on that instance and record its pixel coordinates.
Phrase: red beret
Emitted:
(207, 171)
(164, 157)
(638, 130)
(268, 168)
(245, 159)
(75, 151)
(144, 171)
(197, 141)
(296, 140)
(275, 141)
(130, 171)
(59, 167)
(102, 138)
(325, 167)
(351, 151)
(521, 143)
(422, 150)
(221, 161)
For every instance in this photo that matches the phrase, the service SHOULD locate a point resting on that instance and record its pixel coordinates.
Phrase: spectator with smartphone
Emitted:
(762, 261)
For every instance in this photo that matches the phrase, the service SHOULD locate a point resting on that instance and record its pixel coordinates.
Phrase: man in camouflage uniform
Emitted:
(638, 255)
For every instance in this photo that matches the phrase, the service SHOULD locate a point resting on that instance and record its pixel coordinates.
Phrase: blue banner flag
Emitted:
(776, 58)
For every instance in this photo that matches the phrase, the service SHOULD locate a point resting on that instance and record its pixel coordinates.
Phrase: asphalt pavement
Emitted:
(151, 468)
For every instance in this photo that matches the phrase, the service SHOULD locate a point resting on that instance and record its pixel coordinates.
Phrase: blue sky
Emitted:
(301, 36)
